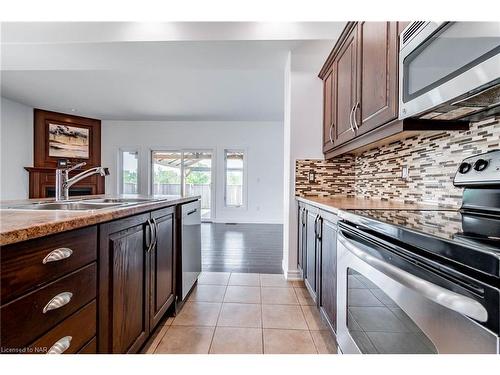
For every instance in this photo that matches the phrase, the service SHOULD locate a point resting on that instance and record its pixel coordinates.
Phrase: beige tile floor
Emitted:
(232, 313)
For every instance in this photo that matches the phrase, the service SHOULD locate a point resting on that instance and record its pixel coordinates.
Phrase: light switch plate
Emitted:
(405, 173)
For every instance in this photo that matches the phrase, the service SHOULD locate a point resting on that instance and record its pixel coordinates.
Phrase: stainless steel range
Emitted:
(424, 281)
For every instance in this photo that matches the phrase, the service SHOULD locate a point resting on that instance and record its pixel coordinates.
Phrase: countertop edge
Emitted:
(333, 210)
(98, 217)
(336, 204)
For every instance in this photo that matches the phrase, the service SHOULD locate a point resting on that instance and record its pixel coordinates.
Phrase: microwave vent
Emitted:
(411, 30)
(486, 98)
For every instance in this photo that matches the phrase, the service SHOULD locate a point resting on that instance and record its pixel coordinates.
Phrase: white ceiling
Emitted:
(131, 71)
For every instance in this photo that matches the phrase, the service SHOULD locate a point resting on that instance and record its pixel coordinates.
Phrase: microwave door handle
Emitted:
(444, 297)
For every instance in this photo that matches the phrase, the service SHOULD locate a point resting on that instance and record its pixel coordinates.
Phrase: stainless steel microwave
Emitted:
(449, 70)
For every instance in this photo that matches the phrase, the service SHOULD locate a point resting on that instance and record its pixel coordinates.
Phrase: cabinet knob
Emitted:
(57, 255)
(58, 301)
(61, 345)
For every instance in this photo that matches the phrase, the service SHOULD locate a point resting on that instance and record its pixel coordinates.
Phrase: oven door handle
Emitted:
(444, 297)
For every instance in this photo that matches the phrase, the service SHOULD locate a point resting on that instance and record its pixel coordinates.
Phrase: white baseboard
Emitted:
(238, 221)
(291, 274)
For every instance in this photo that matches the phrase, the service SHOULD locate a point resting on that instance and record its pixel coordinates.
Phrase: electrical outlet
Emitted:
(312, 177)
(405, 173)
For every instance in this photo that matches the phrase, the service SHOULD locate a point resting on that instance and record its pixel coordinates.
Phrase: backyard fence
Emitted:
(233, 198)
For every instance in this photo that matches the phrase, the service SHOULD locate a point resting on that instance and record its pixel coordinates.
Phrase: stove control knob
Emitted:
(480, 165)
(464, 168)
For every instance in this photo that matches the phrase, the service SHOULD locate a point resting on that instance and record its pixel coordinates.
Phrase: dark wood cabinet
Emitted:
(310, 277)
(345, 89)
(328, 267)
(377, 82)
(360, 90)
(162, 265)
(97, 289)
(136, 278)
(27, 265)
(48, 294)
(80, 327)
(124, 285)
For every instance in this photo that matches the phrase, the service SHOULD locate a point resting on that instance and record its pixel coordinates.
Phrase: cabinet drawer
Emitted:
(27, 265)
(89, 348)
(74, 331)
(23, 319)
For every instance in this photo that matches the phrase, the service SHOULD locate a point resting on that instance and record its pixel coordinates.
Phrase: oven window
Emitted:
(377, 324)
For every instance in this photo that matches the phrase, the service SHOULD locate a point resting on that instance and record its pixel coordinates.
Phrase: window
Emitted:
(234, 178)
(129, 172)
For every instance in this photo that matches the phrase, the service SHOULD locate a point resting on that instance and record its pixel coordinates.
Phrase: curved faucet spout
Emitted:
(63, 182)
(89, 172)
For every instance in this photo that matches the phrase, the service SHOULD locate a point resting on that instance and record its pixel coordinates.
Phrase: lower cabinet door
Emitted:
(310, 246)
(328, 288)
(123, 289)
(301, 237)
(162, 265)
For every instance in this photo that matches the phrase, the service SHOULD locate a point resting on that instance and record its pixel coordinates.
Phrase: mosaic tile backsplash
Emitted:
(332, 177)
(432, 159)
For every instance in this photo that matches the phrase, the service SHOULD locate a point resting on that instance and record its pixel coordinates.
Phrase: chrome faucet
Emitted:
(63, 182)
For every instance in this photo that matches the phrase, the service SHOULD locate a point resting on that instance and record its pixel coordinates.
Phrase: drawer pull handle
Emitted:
(57, 254)
(61, 345)
(58, 301)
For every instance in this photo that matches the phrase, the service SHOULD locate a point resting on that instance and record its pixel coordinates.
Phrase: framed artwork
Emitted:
(68, 141)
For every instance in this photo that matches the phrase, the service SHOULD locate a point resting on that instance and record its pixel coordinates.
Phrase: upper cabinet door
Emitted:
(377, 75)
(345, 88)
(329, 107)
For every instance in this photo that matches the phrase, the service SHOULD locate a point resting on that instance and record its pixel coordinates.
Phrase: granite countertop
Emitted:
(19, 225)
(336, 203)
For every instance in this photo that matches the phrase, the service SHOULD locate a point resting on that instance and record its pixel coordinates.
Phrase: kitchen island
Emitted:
(87, 280)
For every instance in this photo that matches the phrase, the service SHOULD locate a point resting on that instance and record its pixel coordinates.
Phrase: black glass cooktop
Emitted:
(469, 239)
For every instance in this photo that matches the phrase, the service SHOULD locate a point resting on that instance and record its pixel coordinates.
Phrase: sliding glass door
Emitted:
(167, 173)
(184, 173)
(197, 166)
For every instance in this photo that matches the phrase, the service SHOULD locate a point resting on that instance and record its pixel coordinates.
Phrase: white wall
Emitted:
(16, 143)
(262, 141)
(303, 132)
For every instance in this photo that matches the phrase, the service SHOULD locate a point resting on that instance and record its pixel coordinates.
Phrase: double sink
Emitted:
(81, 204)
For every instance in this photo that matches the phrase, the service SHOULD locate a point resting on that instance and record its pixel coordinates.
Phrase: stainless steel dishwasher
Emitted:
(190, 237)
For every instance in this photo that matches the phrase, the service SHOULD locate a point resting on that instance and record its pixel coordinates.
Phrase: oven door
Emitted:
(443, 61)
(385, 309)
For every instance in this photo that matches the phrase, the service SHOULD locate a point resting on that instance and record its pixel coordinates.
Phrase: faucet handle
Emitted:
(76, 166)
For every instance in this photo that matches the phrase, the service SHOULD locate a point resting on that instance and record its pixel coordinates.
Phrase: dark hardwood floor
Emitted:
(247, 248)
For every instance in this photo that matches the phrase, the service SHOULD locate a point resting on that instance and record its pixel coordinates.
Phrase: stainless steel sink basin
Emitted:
(81, 204)
(117, 200)
(71, 206)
